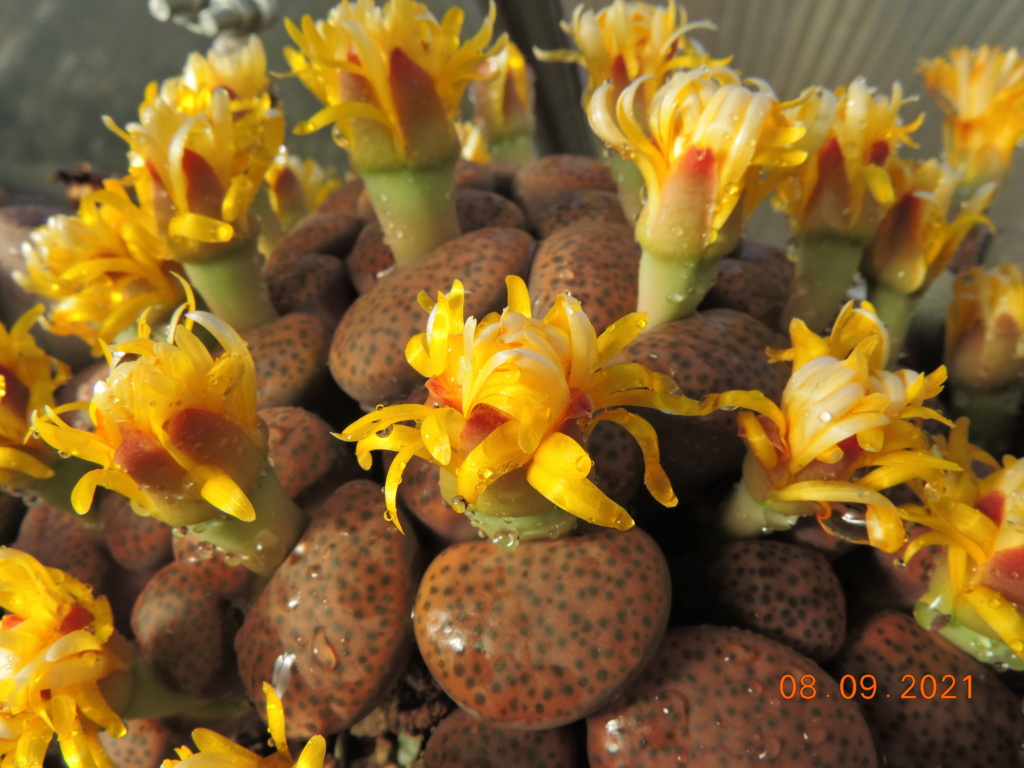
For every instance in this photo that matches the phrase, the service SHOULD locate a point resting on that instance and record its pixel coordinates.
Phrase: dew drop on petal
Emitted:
(825, 417)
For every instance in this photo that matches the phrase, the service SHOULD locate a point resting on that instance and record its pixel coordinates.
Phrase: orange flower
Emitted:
(982, 94)
(28, 379)
(391, 79)
(57, 642)
(844, 430)
(516, 398)
(977, 515)
(846, 186)
(176, 429)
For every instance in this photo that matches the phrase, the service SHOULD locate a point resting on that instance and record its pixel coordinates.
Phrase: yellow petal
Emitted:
(1000, 614)
(223, 493)
(655, 479)
(559, 473)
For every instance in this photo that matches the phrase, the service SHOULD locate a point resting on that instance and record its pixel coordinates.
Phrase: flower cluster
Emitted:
(630, 40)
(391, 78)
(846, 186)
(844, 430)
(977, 516)
(703, 137)
(240, 71)
(199, 173)
(101, 268)
(985, 329)
(982, 94)
(176, 429)
(28, 379)
(513, 399)
(297, 187)
(915, 240)
(503, 106)
(57, 642)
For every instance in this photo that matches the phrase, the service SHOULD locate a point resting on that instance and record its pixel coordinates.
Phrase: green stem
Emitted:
(507, 532)
(896, 310)
(56, 490)
(262, 544)
(825, 266)
(744, 517)
(140, 693)
(672, 289)
(992, 413)
(232, 287)
(515, 149)
(416, 208)
(629, 183)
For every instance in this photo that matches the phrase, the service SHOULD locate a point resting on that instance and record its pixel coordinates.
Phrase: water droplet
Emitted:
(383, 198)
(293, 603)
(770, 749)
(641, 323)
(755, 688)
(315, 572)
(506, 538)
(677, 231)
(282, 673)
(323, 652)
(459, 504)
(584, 463)
(399, 234)
(379, 407)
(179, 531)
(1016, 646)
(675, 298)
(825, 417)
(739, 653)
(485, 473)
(386, 431)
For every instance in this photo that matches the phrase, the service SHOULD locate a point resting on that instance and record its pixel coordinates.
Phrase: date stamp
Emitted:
(866, 687)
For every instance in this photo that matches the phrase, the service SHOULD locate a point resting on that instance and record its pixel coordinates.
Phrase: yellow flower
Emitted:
(978, 516)
(982, 94)
(846, 186)
(703, 138)
(985, 328)
(101, 268)
(297, 187)
(241, 71)
(391, 79)
(915, 240)
(198, 174)
(28, 378)
(844, 430)
(215, 751)
(628, 40)
(503, 98)
(56, 645)
(176, 429)
(514, 399)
